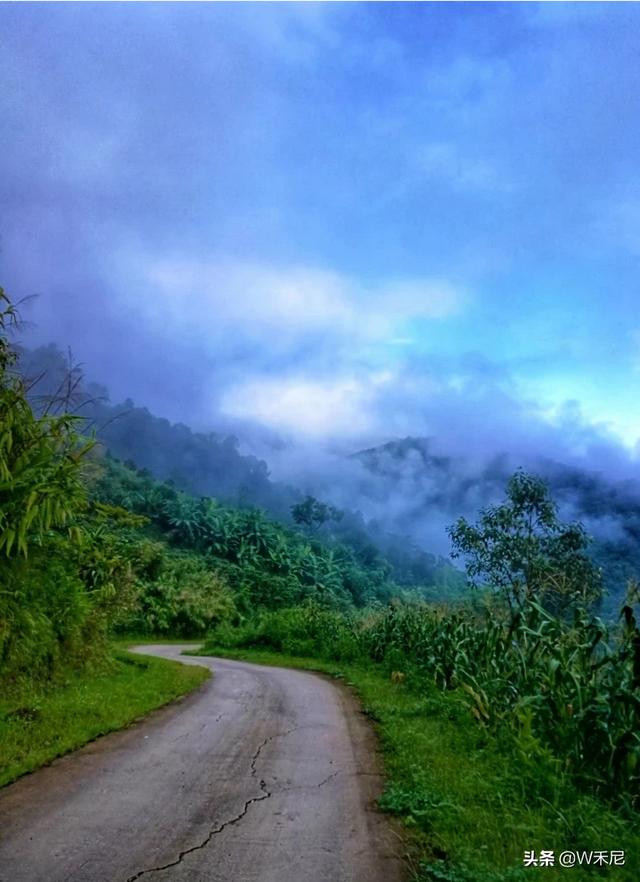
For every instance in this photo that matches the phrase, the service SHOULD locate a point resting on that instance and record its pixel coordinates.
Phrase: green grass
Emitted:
(39, 723)
(471, 804)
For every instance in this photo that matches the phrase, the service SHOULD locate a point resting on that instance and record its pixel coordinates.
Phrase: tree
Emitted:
(522, 550)
(40, 481)
(313, 513)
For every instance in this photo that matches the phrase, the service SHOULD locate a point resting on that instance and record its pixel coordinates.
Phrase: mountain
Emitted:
(396, 499)
(206, 464)
(423, 488)
(210, 464)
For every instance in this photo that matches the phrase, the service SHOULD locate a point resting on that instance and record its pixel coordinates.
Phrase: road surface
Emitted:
(261, 775)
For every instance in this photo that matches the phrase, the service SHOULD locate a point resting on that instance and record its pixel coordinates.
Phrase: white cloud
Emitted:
(299, 349)
(230, 292)
(334, 407)
(344, 406)
(254, 300)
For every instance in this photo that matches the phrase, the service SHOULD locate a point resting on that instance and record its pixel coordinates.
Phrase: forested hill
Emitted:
(425, 485)
(211, 465)
(410, 491)
(206, 464)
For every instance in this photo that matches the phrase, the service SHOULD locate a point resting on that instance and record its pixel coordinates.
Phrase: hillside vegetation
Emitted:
(519, 694)
(91, 546)
(410, 487)
(512, 724)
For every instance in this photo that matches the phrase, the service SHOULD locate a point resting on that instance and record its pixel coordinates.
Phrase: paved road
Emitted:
(262, 775)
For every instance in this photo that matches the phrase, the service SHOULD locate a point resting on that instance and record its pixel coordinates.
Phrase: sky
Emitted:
(337, 223)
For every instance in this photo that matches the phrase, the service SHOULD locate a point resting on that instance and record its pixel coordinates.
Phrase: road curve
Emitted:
(261, 775)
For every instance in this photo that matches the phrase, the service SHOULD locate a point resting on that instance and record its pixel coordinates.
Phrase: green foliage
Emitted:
(197, 462)
(313, 513)
(302, 630)
(46, 613)
(211, 465)
(265, 563)
(179, 594)
(568, 694)
(40, 481)
(550, 681)
(442, 871)
(522, 550)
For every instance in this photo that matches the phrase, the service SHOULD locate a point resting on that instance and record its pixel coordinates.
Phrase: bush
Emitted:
(566, 694)
(47, 616)
(178, 594)
(303, 630)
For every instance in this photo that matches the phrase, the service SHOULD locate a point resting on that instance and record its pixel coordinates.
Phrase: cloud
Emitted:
(222, 293)
(468, 437)
(280, 305)
(270, 214)
(471, 407)
(330, 408)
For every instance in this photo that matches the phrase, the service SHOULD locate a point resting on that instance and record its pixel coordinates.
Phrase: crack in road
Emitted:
(353, 773)
(264, 744)
(330, 777)
(216, 830)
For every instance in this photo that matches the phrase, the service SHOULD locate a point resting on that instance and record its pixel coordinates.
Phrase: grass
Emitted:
(39, 723)
(471, 804)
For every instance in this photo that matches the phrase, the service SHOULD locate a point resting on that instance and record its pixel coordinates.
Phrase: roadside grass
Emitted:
(471, 804)
(40, 722)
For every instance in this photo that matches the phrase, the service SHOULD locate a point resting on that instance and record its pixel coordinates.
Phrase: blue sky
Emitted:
(343, 222)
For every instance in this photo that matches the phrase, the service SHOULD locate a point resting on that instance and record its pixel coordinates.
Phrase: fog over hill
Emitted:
(400, 495)
(334, 231)
(409, 487)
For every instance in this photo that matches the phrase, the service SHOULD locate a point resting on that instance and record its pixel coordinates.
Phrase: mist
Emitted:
(324, 229)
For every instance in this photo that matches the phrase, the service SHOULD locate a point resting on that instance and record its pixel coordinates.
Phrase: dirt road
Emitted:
(262, 775)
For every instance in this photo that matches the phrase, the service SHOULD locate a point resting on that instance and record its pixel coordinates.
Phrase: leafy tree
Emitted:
(264, 562)
(40, 481)
(53, 609)
(522, 550)
(313, 514)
